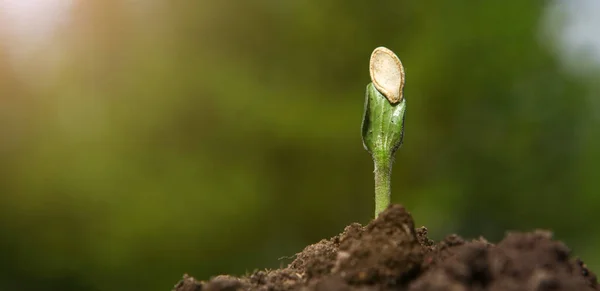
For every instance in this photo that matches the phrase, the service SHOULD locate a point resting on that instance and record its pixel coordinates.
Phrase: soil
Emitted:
(390, 254)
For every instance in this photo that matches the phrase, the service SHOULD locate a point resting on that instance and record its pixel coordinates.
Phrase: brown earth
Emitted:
(390, 254)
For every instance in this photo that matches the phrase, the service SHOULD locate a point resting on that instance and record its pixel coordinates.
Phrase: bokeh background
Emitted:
(140, 140)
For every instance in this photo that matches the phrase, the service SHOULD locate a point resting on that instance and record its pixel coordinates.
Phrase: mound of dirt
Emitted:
(390, 254)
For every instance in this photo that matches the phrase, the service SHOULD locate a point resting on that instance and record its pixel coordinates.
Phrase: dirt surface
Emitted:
(390, 254)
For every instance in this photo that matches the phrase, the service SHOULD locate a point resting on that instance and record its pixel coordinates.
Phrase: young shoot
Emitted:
(383, 119)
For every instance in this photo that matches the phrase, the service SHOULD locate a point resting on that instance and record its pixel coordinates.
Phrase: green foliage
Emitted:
(217, 136)
(382, 132)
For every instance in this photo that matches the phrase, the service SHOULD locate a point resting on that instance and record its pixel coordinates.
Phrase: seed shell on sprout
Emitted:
(387, 73)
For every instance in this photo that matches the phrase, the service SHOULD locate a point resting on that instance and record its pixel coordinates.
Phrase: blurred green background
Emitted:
(140, 140)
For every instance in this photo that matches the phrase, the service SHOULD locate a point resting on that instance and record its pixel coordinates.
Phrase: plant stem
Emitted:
(383, 181)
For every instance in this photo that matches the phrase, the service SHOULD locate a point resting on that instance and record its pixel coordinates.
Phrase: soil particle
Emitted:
(390, 254)
(318, 259)
(386, 252)
(522, 261)
(275, 280)
(188, 283)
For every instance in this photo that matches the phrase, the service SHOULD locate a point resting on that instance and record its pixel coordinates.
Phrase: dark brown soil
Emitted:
(389, 254)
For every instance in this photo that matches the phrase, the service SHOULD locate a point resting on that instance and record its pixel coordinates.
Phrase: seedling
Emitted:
(383, 119)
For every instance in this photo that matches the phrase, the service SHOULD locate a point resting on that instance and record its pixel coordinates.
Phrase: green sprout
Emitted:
(383, 119)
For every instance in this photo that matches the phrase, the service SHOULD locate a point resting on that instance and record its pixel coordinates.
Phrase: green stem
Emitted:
(383, 120)
(383, 181)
